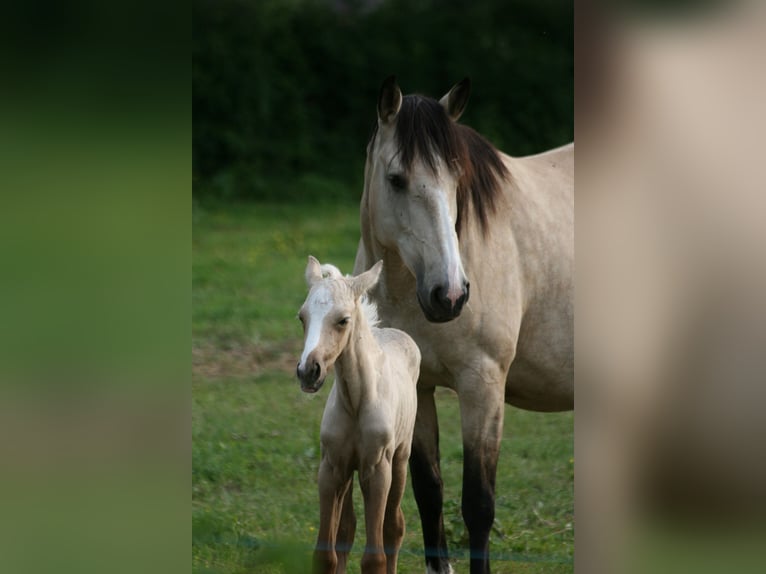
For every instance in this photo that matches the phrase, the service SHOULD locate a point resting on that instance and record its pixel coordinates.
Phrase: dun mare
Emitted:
(368, 420)
(452, 218)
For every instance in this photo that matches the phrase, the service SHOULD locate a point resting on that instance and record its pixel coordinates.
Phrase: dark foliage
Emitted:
(284, 91)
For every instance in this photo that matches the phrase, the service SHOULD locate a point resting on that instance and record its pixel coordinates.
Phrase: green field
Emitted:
(255, 449)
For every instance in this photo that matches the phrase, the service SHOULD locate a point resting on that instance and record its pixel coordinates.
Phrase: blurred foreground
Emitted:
(671, 281)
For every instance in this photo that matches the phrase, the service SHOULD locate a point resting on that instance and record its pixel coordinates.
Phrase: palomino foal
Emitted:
(369, 418)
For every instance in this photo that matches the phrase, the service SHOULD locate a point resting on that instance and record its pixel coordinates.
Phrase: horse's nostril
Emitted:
(438, 298)
(315, 371)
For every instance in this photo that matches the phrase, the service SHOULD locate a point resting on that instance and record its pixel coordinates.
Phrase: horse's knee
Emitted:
(478, 504)
(478, 512)
(426, 479)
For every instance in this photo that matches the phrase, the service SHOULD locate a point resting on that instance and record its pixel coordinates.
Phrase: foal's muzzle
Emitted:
(438, 307)
(311, 376)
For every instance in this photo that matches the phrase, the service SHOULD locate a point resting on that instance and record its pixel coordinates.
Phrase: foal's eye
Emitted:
(343, 322)
(397, 181)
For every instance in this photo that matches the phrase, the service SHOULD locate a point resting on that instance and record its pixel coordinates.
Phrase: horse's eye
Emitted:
(397, 181)
(343, 322)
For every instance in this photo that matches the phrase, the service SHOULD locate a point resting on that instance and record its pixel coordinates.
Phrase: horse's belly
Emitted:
(433, 371)
(538, 387)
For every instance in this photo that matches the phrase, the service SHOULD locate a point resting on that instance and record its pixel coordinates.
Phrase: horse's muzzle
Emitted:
(311, 376)
(439, 307)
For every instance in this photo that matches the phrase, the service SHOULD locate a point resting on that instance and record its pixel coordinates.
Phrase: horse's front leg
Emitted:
(331, 490)
(375, 481)
(427, 483)
(481, 413)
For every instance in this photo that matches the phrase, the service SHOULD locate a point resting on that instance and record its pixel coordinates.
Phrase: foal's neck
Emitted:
(356, 369)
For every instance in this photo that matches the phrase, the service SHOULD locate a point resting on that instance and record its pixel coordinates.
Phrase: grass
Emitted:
(255, 435)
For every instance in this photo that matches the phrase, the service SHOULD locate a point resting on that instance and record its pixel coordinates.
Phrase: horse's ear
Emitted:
(365, 281)
(389, 100)
(456, 99)
(313, 271)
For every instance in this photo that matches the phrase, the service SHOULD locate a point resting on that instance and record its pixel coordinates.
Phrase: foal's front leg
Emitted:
(331, 490)
(375, 482)
(393, 525)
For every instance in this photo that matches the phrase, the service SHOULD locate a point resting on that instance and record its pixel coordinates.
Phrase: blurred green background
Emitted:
(284, 91)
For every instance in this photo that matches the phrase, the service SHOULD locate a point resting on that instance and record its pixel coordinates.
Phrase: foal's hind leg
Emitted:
(346, 527)
(427, 483)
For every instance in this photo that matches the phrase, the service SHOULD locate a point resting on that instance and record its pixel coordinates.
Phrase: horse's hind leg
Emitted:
(346, 527)
(427, 483)
(393, 523)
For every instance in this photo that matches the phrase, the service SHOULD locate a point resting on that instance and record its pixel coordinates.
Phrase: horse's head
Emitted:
(416, 163)
(328, 316)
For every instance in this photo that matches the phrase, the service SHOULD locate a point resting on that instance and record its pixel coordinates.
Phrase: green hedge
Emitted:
(284, 91)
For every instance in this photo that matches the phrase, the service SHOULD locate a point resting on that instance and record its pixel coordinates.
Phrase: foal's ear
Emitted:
(389, 100)
(364, 282)
(313, 271)
(456, 99)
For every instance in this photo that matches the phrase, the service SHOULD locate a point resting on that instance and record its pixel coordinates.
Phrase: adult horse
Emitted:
(442, 207)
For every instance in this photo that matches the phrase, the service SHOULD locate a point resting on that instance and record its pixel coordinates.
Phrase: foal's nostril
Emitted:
(315, 372)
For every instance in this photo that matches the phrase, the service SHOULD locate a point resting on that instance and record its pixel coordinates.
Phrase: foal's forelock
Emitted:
(321, 303)
(425, 131)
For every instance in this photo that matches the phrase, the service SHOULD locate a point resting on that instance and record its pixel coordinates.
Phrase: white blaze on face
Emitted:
(317, 306)
(449, 247)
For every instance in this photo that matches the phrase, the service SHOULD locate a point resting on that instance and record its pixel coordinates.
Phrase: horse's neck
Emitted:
(356, 368)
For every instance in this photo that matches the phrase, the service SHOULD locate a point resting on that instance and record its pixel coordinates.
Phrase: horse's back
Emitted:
(562, 155)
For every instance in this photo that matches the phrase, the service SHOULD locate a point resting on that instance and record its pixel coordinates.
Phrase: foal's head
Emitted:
(329, 316)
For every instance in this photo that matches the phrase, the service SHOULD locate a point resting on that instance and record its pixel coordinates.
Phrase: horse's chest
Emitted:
(440, 352)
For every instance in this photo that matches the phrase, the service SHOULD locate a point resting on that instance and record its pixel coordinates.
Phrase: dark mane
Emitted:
(424, 129)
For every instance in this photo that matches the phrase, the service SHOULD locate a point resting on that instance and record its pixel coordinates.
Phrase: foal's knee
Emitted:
(325, 562)
(394, 528)
(373, 563)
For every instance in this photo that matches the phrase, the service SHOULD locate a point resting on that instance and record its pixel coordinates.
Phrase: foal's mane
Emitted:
(424, 129)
